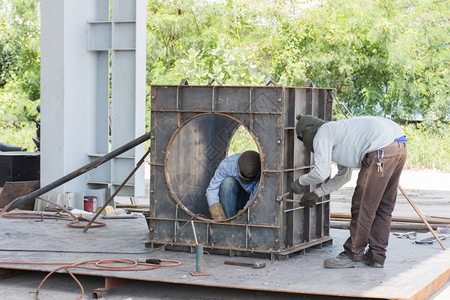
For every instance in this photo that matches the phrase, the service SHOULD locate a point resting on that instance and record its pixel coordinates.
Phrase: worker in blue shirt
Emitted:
(234, 184)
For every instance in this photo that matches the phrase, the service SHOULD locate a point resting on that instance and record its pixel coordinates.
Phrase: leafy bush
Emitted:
(241, 141)
(387, 58)
(427, 149)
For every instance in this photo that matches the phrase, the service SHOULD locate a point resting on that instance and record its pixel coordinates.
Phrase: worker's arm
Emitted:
(212, 192)
(343, 176)
(323, 146)
(322, 162)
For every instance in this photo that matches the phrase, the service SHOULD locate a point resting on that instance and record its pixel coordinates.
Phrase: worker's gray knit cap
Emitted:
(307, 127)
(249, 165)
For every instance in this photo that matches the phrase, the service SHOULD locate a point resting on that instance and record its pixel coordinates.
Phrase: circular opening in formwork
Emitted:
(194, 153)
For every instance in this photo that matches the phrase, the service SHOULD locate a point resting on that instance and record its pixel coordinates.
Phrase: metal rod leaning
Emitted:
(421, 216)
(92, 165)
(141, 161)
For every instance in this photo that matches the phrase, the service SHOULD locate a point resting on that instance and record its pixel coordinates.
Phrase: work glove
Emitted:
(217, 212)
(297, 188)
(309, 200)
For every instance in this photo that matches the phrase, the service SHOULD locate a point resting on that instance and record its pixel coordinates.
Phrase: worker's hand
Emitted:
(309, 200)
(297, 188)
(217, 212)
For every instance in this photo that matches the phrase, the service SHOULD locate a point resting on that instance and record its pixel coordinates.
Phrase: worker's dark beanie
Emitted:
(309, 125)
(249, 164)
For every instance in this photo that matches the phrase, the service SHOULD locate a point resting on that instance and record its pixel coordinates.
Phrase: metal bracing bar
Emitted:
(175, 224)
(218, 111)
(300, 207)
(92, 165)
(193, 230)
(288, 170)
(291, 200)
(212, 222)
(138, 165)
(422, 217)
(247, 235)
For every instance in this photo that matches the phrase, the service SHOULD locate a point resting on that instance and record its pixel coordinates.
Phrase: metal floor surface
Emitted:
(412, 271)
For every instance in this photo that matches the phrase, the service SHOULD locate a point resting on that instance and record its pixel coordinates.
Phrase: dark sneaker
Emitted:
(369, 261)
(342, 261)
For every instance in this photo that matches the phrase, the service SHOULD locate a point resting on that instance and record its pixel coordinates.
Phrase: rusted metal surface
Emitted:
(110, 283)
(191, 129)
(19, 166)
(13, 190)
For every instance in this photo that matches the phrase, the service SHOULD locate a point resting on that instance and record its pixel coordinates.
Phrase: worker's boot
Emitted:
(342, 261)
(217, 212)
(369, 261)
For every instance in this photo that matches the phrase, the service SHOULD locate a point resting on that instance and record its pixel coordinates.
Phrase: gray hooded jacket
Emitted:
(346, 143)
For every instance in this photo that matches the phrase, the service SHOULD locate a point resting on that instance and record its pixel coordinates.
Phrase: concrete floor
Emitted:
(412, 271)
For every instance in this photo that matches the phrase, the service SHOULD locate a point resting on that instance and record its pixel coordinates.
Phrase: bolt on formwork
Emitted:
(191, 130)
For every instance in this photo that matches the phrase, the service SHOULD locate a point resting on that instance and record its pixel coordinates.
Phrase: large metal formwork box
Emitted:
(191, 129)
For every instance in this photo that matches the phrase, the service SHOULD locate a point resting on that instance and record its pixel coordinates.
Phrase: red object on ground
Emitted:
(90, 203)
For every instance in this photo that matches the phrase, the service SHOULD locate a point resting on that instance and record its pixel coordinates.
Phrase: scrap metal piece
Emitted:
(110, 283)
(255, 265)
(412, 235)
(14, 190)
(127, 216)
(429, 240)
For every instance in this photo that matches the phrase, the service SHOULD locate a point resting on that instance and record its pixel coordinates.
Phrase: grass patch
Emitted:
(19, 136)
(427, 150)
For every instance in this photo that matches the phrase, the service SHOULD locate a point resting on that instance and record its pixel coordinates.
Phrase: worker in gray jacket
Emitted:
(378, 147)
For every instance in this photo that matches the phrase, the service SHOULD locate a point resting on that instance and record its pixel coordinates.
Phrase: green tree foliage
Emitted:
(383, 57)
(202, 40)
(19, 60)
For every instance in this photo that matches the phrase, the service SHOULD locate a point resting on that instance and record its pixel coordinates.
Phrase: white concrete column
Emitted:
(75, 94)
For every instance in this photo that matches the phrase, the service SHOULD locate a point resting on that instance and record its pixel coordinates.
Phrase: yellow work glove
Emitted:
(217, 212)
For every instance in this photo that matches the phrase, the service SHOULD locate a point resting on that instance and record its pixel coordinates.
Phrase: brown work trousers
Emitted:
(373, 202)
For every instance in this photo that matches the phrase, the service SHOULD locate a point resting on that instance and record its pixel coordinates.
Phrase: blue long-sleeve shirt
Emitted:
(228, 167)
